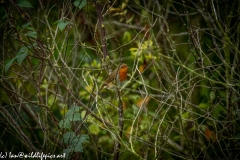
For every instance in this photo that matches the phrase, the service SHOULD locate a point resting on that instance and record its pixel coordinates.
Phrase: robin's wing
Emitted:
(111, 77)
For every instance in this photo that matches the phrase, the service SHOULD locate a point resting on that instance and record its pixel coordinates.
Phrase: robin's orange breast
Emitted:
(123, 74)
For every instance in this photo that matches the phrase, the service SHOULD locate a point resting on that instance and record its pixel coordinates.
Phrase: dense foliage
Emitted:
(180, 101)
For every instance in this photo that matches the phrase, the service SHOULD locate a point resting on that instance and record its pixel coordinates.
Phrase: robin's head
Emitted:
(123, 67)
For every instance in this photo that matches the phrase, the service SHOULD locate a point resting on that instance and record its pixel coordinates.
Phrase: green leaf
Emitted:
(23, 3)
(71, 115)
(68, 150)
(203, 106)
(61, 25)
(78, 147)
(71, 111)
(185, 115)
(65, 123)
(68, 137)
(130, 19)
(21, 57)
(71, 139)
(8, 64)
(80, 3)
(80, 138)
(23, 50)
(32, 34)
(94, 129)
(26, 25)
(84, 138)
(126, 37)
(30, 28)
(212, 95)
(51, 100)
(75, 117)
(78, 141)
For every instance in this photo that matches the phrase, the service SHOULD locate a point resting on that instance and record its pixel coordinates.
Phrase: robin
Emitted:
(120, 74)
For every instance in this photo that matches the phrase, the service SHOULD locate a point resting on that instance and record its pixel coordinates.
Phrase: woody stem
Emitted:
(101, 29)
(120, 124)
